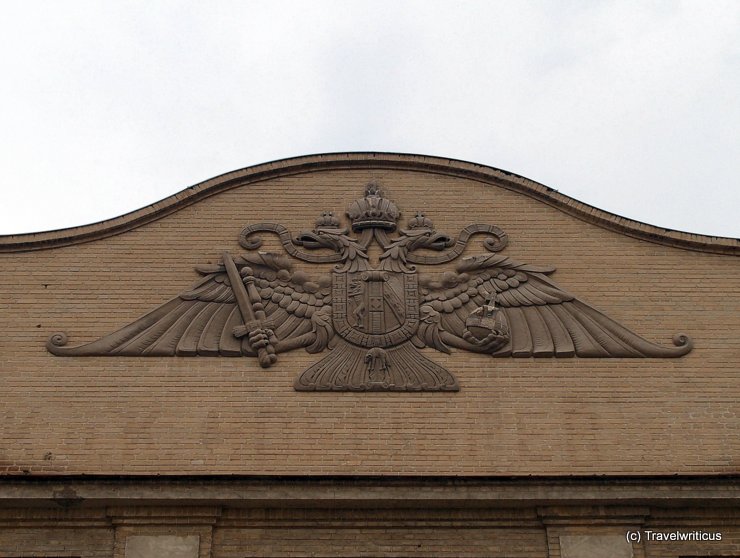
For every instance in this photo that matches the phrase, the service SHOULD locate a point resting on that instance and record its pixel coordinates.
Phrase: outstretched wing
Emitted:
(544, 320)
(201, 321)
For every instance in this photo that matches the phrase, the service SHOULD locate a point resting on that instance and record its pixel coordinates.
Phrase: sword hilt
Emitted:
(253, 314)
(261, 338)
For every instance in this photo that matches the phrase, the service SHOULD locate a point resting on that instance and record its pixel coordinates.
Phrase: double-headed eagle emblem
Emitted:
(374, 317)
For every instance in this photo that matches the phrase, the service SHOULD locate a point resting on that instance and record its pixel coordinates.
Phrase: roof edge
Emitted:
(401, 161)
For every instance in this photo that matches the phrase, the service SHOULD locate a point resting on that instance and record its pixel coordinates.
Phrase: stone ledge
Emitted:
(369, 492)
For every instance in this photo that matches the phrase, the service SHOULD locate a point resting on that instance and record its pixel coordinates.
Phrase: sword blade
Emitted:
(245, 307)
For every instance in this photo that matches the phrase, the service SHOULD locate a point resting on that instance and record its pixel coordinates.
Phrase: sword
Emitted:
(253, 314)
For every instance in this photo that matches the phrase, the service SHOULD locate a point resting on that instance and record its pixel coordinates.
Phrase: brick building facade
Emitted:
(606, 411)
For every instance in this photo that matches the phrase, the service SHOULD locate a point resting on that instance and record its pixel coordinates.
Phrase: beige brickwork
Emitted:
(227, 416)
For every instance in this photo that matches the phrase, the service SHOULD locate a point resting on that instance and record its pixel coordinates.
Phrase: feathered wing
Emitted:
(201, 321)
(544, 320)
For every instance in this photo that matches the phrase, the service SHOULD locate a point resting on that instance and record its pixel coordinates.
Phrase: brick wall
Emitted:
(176, 415)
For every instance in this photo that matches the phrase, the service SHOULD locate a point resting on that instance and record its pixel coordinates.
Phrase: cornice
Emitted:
(711, 492)
(369, 160)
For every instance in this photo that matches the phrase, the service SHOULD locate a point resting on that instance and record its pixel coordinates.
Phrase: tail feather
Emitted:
(351, 368)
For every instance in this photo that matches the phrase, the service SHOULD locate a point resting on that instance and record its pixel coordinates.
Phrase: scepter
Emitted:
(253, 314)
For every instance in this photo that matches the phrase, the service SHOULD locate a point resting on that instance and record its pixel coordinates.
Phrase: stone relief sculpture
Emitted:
(374, 318)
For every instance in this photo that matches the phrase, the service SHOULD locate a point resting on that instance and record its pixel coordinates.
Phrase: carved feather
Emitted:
(544, 319)
(201, 320)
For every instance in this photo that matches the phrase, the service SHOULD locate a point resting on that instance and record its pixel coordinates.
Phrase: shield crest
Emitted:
(375, 308)
(376, 313)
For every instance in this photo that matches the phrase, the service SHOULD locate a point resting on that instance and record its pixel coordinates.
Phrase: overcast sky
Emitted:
(108, 106)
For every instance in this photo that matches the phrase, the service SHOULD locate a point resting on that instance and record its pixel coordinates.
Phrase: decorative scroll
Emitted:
(246, 240)
(496, 244)
(374, 317)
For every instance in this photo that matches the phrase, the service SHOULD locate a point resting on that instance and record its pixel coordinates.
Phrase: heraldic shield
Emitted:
(373, 318)
(376, 312)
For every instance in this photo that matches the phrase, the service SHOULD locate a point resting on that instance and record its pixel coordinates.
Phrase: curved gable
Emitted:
(181, 396)
(380, 161)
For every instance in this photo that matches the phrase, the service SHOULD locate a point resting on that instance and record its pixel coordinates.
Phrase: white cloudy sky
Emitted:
(631, 106)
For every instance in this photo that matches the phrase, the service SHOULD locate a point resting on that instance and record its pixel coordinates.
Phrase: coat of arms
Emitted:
(373, 317)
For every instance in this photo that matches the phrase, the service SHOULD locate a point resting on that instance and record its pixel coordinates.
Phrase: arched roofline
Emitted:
(362, 160)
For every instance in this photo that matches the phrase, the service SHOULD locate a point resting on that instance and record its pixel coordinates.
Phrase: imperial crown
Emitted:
(327, 221)
(421, 221)
(373, 211)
